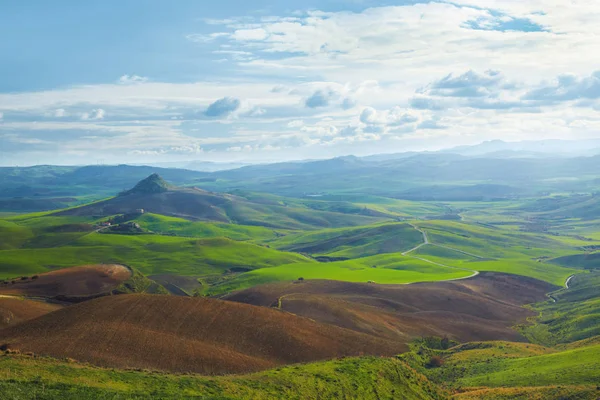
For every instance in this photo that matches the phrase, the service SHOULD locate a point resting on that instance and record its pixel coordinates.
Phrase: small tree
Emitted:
(435, 362)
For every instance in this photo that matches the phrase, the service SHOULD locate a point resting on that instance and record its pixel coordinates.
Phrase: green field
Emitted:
(510, 368)
(151, 254)
(514, 365)
(232, 257)
(353, 242)
(164, 225)
(382, 269)
(482, 248)
(572, 367)
(25, 378)
(575, 315)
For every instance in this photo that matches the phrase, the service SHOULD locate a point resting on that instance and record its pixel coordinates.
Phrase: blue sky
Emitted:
(147, 81)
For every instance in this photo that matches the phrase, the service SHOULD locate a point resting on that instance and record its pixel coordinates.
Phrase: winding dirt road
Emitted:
(427, 242)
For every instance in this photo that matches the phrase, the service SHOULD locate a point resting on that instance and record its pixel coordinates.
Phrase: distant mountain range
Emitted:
(493, 170)
(529, 148)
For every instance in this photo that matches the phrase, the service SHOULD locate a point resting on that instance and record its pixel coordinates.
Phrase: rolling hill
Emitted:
(586, 207)
(368, 378)
(156, 196)
(353, 242)
(187, 335)
(481, 308)
(84, 281)
(14, 310)
(505, 370)
(573, 315)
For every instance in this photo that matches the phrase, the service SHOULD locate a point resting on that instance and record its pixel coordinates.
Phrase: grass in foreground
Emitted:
(571, 367)
(25, 377)
(499, 370)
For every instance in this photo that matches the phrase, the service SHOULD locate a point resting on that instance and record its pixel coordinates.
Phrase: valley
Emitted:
(184, 280)
(300, 200)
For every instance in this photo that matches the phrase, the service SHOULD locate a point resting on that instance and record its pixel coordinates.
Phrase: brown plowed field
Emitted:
(85, 281)
(14, 311)
(482, 308)
(180, 334)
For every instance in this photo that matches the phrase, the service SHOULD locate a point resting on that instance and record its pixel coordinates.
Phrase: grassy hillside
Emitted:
(164, 225)
(381, 269)
(501, 364)
(499, 370)
(489, 248)
(351, 378)
(223, 251)
(571, 367)
(574, 315)
(559, 392)
(151, 254)
(353, 242)
(41, 230)
(585, 260)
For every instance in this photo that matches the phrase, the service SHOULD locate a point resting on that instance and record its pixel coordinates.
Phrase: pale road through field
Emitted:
(427, 242)
(550, 295)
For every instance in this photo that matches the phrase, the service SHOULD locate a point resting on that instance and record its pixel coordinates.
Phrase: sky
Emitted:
(141, 81)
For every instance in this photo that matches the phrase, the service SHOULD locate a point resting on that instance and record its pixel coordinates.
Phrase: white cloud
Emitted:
(396, 116)
(201, 38)
(192, 148)
(60, 113)
(132, 79)
(466, 70)
(568, 87)
(530, 39)
(250, 34)
(295, 123)
(94, 115)
(321, 98)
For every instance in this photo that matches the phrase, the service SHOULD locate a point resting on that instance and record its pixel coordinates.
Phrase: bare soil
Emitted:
(181, 335)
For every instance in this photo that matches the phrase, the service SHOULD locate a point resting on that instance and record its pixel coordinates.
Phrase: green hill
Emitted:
(156, 196)
(353, 242)
(585, 260)
(25, 378)
(468, 368)
(506, 370)
(151, 254)
(573, 315)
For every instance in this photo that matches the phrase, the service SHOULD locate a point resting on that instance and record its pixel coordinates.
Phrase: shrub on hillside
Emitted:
(435, 362)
